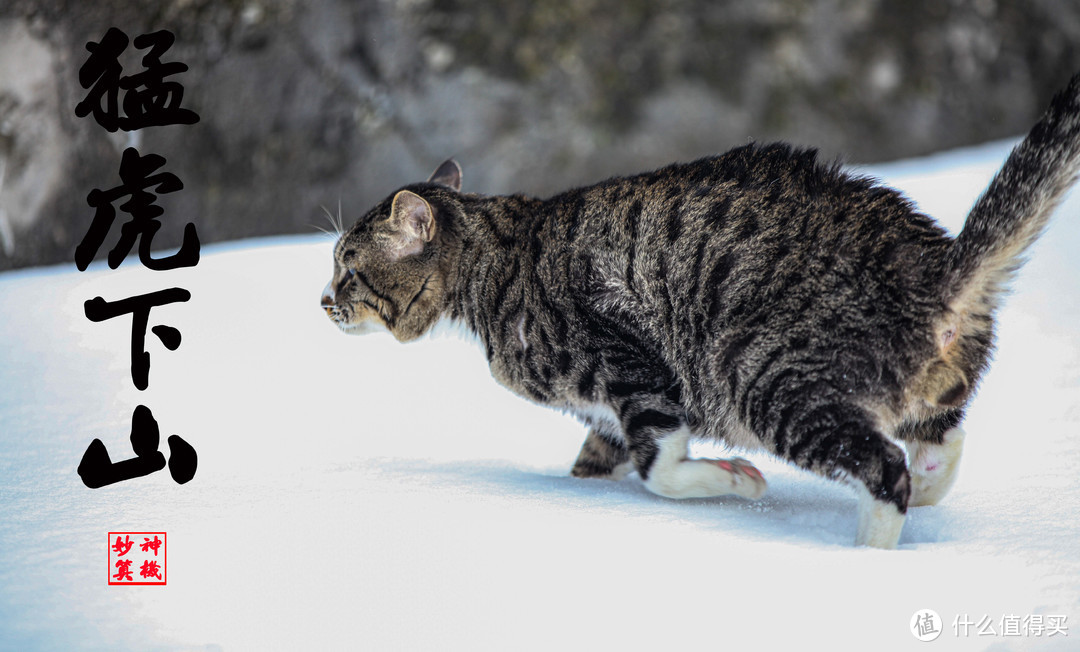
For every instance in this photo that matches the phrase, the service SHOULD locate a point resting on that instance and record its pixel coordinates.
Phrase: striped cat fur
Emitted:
(760, 298)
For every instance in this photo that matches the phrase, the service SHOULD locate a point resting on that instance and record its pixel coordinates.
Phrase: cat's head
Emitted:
(391, 269)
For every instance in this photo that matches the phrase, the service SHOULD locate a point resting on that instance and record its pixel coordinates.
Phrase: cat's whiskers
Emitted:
(335, 223)
(331, 234)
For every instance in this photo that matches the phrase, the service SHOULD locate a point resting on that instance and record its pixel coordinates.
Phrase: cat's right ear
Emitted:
(448, 174)
(413, 224)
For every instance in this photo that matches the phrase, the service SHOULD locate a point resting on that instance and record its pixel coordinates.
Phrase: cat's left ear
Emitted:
(413, 223)
(448, 174)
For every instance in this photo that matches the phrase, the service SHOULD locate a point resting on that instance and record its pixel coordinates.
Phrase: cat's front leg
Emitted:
(669, 471)
(602, 456)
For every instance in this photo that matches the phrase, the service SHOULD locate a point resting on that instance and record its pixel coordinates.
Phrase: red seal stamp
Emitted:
(137, 558)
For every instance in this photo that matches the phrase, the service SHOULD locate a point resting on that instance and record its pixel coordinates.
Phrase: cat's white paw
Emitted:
(745, 478)
(880, 523)
(672, 475)
(707, 478)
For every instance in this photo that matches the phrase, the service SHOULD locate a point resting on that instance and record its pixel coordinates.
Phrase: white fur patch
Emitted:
(673, 475)
(521, 334)
(597, 415)
(880, 522)
(933, 467)
(365, 327)
(456, 329)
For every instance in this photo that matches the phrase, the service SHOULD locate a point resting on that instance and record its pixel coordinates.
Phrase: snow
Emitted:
(354, 493)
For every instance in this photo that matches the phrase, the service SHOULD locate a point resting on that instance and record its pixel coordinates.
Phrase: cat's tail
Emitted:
(1003, 224)
(1014, 210)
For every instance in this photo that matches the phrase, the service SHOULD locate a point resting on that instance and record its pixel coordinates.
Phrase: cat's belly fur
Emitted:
(726, 430)
(511, 371)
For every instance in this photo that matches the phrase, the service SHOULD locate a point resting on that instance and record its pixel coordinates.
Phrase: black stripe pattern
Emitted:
(758, 297)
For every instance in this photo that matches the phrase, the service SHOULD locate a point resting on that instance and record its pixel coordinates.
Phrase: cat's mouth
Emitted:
(341, 317)
(362, 328)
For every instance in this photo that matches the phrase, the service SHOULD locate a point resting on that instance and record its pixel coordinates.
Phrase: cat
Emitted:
(759, 298)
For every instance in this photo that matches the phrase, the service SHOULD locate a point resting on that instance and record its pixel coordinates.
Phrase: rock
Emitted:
(306, 103)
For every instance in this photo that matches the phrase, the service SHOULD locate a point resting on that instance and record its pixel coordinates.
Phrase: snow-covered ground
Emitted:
(354, 493)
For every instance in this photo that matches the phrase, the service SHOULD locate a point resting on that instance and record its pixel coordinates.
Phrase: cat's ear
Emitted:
(448, 174)
(413, 223)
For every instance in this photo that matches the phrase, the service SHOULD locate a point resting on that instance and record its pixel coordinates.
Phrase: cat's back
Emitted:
(762, 214)
(754, 189)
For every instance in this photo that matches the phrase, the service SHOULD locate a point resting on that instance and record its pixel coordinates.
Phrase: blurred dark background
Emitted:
(307, 103)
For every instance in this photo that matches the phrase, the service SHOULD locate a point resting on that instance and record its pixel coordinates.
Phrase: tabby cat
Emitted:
(760, 298)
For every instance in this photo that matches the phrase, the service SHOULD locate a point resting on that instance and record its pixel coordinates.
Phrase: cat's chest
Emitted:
(515, 361)
(522, 369)
(596, 415)
(529, 361)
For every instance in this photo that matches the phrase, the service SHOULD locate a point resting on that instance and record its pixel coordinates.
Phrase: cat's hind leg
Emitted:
(933, 467)
(934, 449)
(668, 471)
(602, 456)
